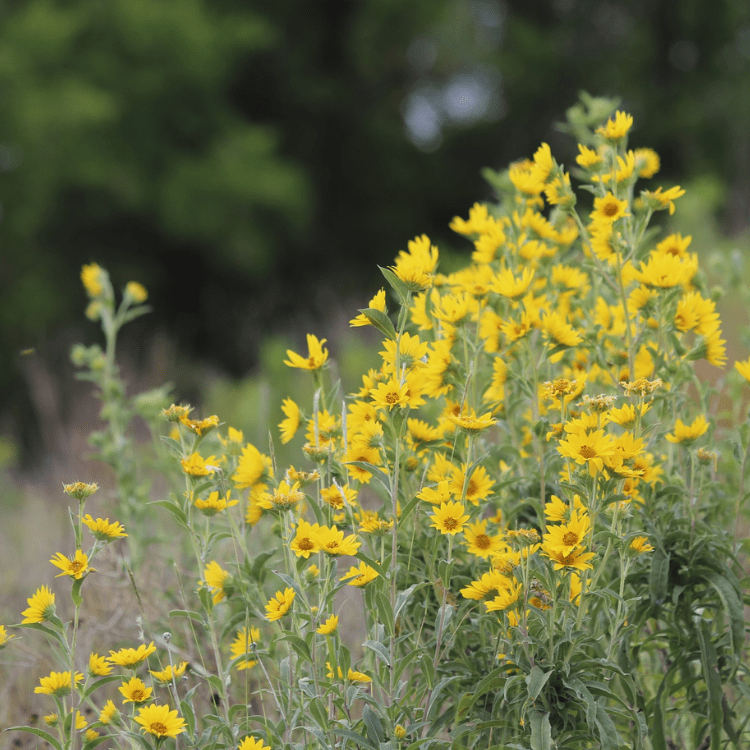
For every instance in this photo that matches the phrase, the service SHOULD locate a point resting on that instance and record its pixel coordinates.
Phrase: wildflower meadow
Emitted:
(524, 529)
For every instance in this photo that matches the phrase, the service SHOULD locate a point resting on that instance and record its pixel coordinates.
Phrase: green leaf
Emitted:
(659, 576)
(99, 683)
(535, 681)
(733, 606)
(396, 284)
(187, 614)
(299, 645)
(75, 592)
(404, 596)
(608, 735)
(381, 321)
(377, 473)
(380, 650)
(187, 711)
(318, 711)
(373, 724)
(434, 703)
(175, 510)
(39, 733)
(290, 582)
(712, 679)
(541, 731)
(408, 509)
(385, 612)
(357, 738)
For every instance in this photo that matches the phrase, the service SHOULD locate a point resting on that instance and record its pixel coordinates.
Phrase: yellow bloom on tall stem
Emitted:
(103, 530)
(316, 355)
(449, 518)
(617, 128)
(76, 567)
(290, 425)
(135, 691)
(305, 542)
(41, 606)
(567, 536)
(93, 277)
(56, 683)
(243, 645)
(684, 433)
(390, 394)
(332, 541)
(252, 743)
(590, 448)
(279, 604)
(197, 466)
(167, 674)
(99, 666)
(160, 721)
(215, 577)
(214, 504)
(131, 657)
(329, 626)
(4, 636)
(471, 423)
(608, 209)
(743, 368)
(360, 575)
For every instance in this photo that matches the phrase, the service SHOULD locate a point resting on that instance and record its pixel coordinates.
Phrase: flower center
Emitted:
(158, 728)
(483, 541)
(610, 209)
(391, 398)
(305, 544)
(587, 451)
(450, 523)
(570, 539)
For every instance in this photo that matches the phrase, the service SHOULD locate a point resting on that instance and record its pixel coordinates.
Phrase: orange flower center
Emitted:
(483, 541)
(610, 209)
(570, 539)
(305, 544)
(391, 398)
(587, 451)
(76, 565)
(158, 728)
(450, 523)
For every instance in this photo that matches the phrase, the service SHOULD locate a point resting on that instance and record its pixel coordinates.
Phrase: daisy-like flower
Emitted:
(135, 691)
(469, 422)
(352, 676)
(389, 394)
(215, 578)
(590, 448)
(557, 510)
(338, 497)
(51, 720)
(4, 636)
(409, 351)
(131, 657)
(316, 355)
(505, 598)
(109, 713)
(93, 277)
(588, 158)
(507, 285)
(160, 721)
(684, 433)
(659, 200)
(376, 303)
(329, 626)
(76, 567)
(305, 542)
(285, 497)
(91, 734)
(480, 543)
(332, 541)
(80, 721)
(559, 330)
(197, 466)
(103, 530)
(252, 743)
(167, 674)
(609, 209)
(99, 665)
(243, 644)
(41, 606)
(488, 582)
(201, 426)
(647, 162)
(253, 467)
(279, 604)
(615, 130)
(360, 575)
(80, 490)
(743, 368)
(640, 545)
(578, 559)
(56, 684)
(136, 292)
(289, 426)
(449, 518)
(567, 536)
(441, 493)
(214, 504)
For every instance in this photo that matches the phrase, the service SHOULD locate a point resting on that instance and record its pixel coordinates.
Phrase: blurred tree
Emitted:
(251, 162)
